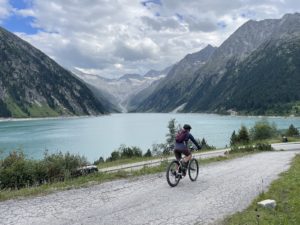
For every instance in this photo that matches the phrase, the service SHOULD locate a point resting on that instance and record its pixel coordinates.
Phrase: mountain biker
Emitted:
(181, 145)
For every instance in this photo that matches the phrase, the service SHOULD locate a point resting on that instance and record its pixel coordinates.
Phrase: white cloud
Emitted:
(5, 9)
(114, 37)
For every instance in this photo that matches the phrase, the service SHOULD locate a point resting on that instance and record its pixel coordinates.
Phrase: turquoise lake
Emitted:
(99, 136)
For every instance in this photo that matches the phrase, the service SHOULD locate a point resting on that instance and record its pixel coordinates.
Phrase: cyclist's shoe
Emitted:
(178, 176)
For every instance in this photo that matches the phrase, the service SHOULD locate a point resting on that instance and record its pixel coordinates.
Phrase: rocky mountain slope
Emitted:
(168, 93)
(33, 85)
(232, 75)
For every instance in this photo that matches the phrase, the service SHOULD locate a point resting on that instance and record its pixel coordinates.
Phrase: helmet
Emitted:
(187, 127)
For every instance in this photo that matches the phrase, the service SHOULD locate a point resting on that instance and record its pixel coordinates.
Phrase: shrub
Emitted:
(233, 139)
(129, 152)
(205, 145)
(263, 147)
(243, 136)
(251, 148)
(17, 172)
(263, 130)
(246, 148)
(148, 153)
(292, 131)
(98, 161)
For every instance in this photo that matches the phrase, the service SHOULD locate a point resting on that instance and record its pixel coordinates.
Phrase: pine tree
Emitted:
(243, 136)
(172, 133)
(148, 153)
(233, 139)
(292, 131)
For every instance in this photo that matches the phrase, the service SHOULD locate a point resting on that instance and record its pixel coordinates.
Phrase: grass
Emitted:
(44, 110)
(120, 162)
(285, 191)
(98, 178)
(79, 182)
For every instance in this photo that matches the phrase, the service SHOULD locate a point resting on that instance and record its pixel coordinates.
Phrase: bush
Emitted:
(251, 148)
(148, 153)
(263, 130)
(246, 148)
(125, 152)
(60, 166)
(130, 152)
(292, 131)
(205, 145)
(241, 138)
(17, 172)
(99, 161)
(263, 147)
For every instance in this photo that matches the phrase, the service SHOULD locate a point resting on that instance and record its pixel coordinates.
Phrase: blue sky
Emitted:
(17, 23)
(115, 37)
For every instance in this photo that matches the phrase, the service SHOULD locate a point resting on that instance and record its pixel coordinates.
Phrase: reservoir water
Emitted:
(99, 136)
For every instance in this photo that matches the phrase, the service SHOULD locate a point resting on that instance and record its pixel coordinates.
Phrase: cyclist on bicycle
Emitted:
(181, 145)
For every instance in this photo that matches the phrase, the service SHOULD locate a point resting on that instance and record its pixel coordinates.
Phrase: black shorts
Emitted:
(178, 153)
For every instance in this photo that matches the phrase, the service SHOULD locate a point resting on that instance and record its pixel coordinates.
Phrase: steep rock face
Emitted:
(266, 34)
(266, 82)
(171, 92)
(33, 85)
(201, 90)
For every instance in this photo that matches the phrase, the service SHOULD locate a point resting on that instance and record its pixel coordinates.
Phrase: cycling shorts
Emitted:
(184, 151)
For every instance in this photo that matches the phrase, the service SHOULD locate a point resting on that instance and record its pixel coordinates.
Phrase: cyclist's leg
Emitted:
(188, 155)
(177, 153)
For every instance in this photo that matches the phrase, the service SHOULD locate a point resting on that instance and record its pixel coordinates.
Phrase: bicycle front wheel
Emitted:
(172, 173)
(193, 169)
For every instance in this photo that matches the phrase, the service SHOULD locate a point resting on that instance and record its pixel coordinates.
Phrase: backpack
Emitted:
(181, 136)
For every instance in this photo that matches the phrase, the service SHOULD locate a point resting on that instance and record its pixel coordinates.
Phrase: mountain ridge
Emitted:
(34, 85)
(196, 90)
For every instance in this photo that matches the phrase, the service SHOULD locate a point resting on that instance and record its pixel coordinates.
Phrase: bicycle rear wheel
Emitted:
(173, 177)
(193, 169)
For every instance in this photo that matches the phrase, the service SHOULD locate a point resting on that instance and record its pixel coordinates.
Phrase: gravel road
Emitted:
(221, 189)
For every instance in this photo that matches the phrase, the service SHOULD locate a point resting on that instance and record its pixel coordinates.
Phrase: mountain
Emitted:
(266, 82)
(128, 77)
(33, 85)
(169, 93)
(249, 72)
(122, 90)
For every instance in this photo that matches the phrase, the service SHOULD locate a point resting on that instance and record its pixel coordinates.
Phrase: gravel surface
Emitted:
(221, 189)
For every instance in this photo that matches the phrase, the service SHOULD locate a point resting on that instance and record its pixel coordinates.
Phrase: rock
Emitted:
(268, 203)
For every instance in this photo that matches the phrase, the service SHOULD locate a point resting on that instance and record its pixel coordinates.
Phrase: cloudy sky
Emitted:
(115, 37)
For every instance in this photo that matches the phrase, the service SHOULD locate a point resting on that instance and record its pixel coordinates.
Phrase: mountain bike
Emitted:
(176, 171)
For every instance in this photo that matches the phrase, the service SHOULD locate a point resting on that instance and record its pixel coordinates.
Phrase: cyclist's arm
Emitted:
(194, 141)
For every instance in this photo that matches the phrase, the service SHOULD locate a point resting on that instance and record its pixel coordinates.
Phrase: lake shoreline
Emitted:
(3, 119)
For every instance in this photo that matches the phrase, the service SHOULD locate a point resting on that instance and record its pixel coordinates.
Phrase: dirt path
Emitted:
(221, 189)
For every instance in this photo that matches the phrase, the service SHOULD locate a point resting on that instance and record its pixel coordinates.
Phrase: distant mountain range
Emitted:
(254, 71)
(121, 91)
(33, 85)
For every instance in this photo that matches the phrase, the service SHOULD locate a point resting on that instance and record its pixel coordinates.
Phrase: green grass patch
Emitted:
(286, 192)
(36, 110)
(15, 110)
